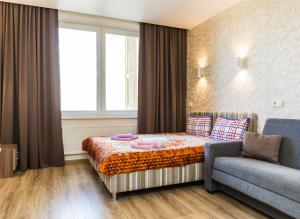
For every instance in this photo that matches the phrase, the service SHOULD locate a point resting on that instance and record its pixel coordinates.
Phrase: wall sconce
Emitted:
(199, 72)
(242, 63)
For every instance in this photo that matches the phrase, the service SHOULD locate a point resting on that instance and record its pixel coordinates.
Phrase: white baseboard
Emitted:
(76, 157)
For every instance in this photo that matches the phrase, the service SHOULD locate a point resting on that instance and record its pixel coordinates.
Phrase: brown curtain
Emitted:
(162, 79)
(29, 84)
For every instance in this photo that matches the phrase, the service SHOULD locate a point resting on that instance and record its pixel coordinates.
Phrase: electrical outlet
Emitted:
(278, 103)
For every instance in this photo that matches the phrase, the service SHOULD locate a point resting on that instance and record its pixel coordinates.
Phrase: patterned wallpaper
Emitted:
(267, 32)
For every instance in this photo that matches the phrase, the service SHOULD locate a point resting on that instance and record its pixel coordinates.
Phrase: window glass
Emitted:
(78, 69)
(121, 70)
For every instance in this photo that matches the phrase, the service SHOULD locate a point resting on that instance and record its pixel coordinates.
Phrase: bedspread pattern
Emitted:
(117, 157)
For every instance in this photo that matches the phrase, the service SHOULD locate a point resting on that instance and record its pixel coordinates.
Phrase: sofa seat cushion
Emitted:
(279, 179)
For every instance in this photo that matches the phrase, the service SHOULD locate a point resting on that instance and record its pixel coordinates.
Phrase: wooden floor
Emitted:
(74, 191)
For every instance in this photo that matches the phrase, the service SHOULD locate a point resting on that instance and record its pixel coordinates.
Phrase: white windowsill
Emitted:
(103, 116)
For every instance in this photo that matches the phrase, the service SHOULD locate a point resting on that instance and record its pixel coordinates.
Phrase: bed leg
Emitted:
(114, 196)
(114, 187)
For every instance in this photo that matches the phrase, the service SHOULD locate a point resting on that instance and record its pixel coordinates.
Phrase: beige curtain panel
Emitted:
(29, 84)
(162, 79)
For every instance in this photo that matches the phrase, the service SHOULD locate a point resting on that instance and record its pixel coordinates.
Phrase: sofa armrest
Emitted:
(218, 149)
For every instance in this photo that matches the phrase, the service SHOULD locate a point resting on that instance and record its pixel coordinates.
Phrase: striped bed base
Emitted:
(150, 178)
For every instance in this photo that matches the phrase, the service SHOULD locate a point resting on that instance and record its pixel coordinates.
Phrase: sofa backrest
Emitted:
(290, 147)
(232, 115)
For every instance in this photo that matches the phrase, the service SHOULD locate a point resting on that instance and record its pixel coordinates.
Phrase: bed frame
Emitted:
(150, 178)
(165, 176)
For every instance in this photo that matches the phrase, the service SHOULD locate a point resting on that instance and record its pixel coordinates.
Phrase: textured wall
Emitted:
(268, 33)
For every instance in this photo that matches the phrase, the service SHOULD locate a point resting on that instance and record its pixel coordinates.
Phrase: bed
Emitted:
(122, 168)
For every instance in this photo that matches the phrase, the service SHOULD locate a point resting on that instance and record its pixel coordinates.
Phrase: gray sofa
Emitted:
(271, 188)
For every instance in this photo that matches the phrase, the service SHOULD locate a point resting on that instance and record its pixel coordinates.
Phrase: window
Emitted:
(121, 66)
(99, 71)
(78, 70)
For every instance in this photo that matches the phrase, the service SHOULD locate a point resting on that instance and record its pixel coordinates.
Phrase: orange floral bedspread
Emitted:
(117, 157)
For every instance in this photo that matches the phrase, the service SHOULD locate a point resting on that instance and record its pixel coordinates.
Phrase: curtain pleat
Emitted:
(30, 84)
(162, 79)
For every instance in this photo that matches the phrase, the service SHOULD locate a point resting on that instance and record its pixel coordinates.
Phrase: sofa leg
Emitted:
(210, 186)
(212, 192)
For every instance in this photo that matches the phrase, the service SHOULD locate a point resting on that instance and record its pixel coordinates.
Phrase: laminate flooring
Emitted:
(74, 191)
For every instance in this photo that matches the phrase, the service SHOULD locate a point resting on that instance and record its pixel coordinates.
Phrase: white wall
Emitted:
(75, 131)
(84, 19)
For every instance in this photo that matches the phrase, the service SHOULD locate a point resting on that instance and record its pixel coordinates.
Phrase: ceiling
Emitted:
(176, 13)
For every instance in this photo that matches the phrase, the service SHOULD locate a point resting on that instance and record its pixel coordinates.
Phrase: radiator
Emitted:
(74, 135)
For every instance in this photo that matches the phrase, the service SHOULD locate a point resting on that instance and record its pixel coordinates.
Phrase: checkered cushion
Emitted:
(229, 129)
(200, 126)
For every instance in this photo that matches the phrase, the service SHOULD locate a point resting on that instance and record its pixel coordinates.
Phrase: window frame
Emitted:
(101, 111)
(103, 79)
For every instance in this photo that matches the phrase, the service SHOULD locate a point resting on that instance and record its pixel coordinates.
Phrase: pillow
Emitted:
(229, 129)
(200, 126)
(262, 147)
